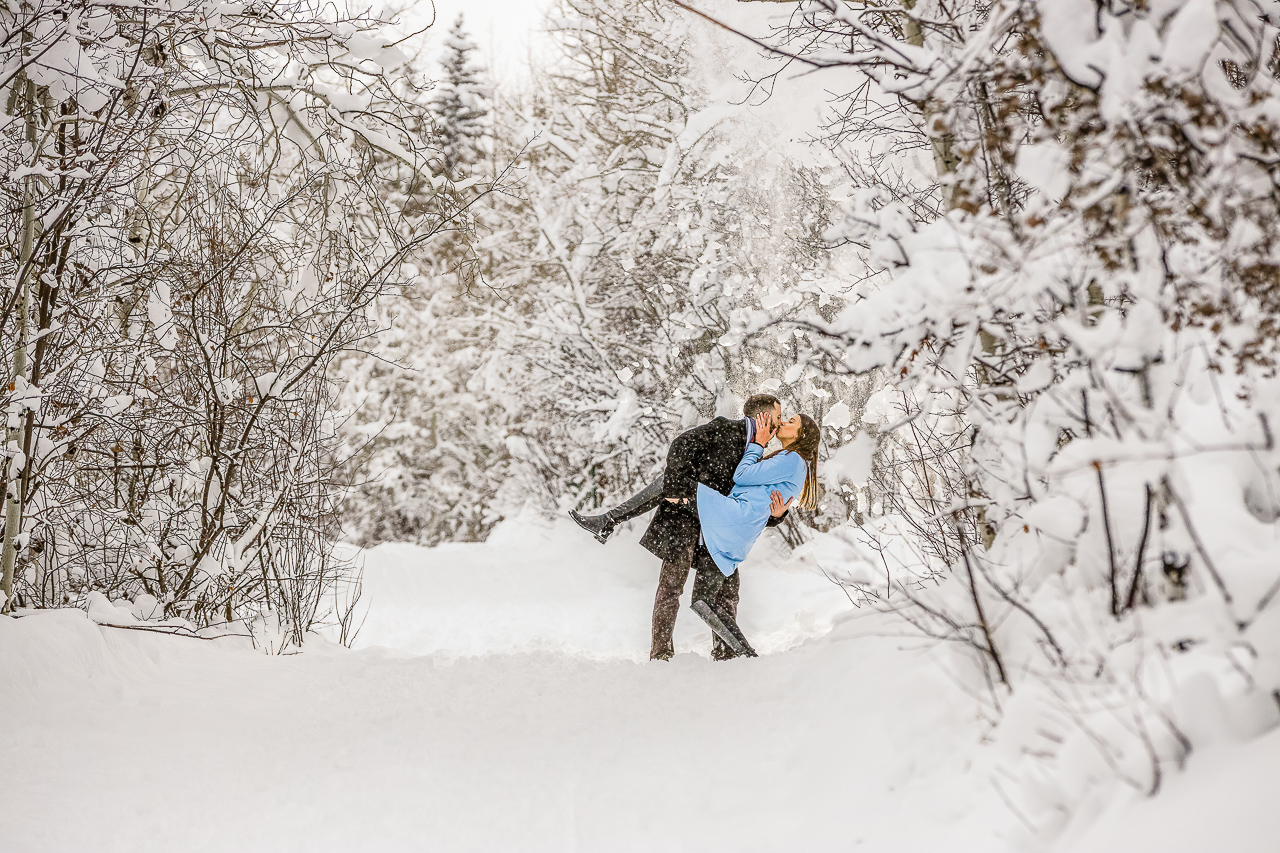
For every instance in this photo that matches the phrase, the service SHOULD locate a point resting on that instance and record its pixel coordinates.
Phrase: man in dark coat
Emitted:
(706, 454)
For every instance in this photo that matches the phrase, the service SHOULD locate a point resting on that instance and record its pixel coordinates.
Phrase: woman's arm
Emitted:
(754, 471)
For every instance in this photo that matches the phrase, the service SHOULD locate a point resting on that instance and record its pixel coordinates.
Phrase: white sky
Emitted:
(502, 28)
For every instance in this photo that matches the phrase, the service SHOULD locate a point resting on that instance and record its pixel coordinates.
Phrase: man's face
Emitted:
(776, 414)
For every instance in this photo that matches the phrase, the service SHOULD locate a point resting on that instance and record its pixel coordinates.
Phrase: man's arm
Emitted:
(680, 479)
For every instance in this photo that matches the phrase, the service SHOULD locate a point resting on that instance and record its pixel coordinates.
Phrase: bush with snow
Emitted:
(195, 199)
(1077, 339)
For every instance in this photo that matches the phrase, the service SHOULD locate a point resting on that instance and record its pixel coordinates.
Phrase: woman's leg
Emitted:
(715, 600)
(601, 526)
(727, 602)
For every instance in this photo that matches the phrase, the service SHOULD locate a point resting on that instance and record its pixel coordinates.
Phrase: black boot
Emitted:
(707, 589)
(601, 526)
(726, 628)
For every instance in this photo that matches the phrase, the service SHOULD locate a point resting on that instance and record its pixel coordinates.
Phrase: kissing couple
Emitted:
(717, 494)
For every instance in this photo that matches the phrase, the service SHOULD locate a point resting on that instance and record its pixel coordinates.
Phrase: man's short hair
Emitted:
(758, 403)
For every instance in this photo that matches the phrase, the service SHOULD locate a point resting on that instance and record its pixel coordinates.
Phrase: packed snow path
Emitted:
(552, 738)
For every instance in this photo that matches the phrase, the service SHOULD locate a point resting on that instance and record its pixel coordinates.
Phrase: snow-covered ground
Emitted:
(500, 700)
(539, 587)
(1223, 801)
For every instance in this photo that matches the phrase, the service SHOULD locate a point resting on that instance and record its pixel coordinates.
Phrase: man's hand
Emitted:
(776, 505)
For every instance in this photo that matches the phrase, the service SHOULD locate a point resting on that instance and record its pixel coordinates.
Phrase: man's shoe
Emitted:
(599, 526)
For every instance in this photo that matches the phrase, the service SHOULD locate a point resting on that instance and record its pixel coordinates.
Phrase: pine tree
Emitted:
(460, 107)
(628, 294)
(611, 294)
(422, 438)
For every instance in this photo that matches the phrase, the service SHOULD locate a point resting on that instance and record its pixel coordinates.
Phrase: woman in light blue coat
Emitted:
(732, 523)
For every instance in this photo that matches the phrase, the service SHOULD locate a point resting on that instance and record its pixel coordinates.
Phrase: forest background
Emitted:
(271, 281)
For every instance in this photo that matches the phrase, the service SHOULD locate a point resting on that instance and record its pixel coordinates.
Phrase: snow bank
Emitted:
(125, 740)
(1225, 800)
(519, 734)
(540, 586)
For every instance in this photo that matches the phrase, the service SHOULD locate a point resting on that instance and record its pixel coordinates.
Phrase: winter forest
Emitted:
(315, 328)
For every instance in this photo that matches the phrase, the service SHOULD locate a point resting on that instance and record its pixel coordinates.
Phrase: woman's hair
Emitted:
(806, 444)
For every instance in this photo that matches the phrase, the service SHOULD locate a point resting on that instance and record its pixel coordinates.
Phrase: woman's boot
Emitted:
(719, 620)
(601, 526)
(726, 629)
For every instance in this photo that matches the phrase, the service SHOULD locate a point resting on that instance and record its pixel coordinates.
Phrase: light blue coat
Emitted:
(731, 525)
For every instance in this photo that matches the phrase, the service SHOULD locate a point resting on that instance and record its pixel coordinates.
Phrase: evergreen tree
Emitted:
(423, 439)
(460, 106)
(657, 225)
(612, 298)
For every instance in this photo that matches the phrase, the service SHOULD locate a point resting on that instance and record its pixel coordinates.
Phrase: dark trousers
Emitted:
(708, 583)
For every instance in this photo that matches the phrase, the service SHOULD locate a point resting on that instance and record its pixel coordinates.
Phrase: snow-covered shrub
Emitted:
(607, 305)
(1079, 351)
(193, 201)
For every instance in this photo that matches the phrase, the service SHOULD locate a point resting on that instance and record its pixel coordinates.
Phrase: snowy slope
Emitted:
(123, 740)
(1224, 800)
(502, 702)
(537, 587)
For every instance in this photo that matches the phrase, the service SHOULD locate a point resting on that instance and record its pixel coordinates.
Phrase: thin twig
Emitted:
(1111, 548)
(1204, 553)
(175, 631)
(1131, 598)
(977, 605)
(763, 45)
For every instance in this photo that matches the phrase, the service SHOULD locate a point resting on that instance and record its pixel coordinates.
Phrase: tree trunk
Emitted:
(940, 140)
(13, 476)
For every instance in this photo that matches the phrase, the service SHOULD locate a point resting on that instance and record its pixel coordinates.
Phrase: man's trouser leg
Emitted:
(666, 603)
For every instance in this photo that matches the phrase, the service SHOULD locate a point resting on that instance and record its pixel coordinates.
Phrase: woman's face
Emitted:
(790, 430)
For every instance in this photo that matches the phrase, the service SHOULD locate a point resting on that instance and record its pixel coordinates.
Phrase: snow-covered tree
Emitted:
(460, 105)
(197, 228)
(423, 441)
(1077, 348)
(426, 434)
(612, 292)
(657, 226)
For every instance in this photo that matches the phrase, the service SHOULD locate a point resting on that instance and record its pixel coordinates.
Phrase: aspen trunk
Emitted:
(13, 433)
(940, 140)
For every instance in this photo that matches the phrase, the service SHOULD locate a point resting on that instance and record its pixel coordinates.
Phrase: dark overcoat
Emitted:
(707, 454)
